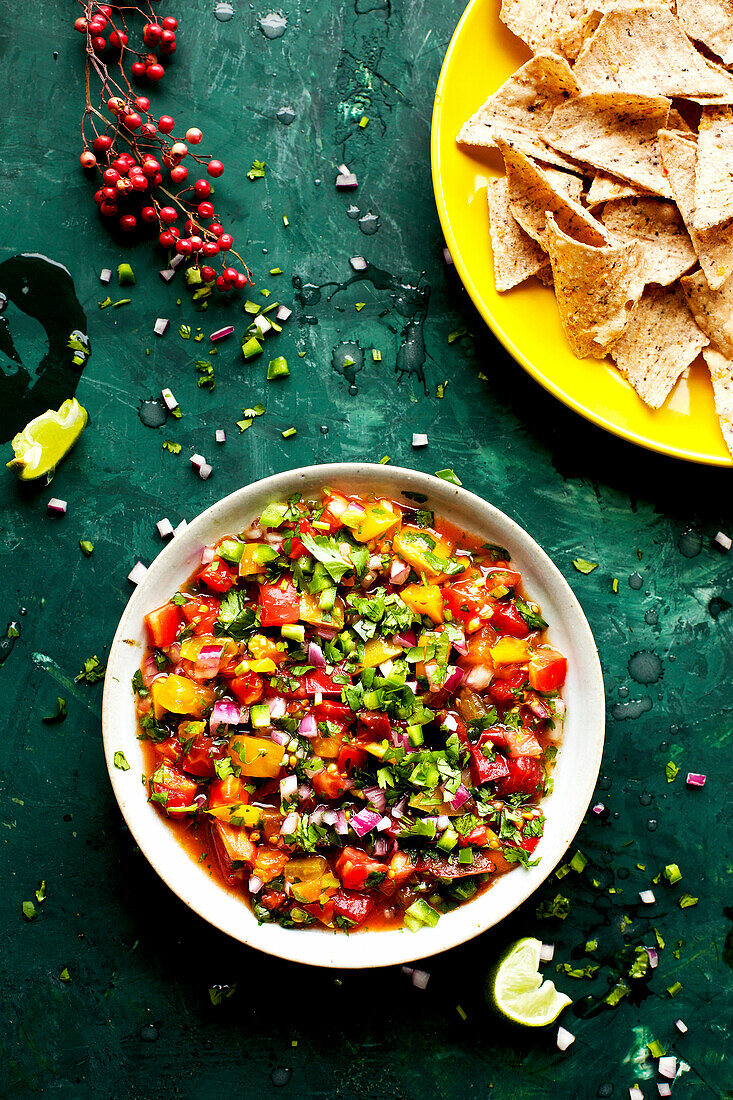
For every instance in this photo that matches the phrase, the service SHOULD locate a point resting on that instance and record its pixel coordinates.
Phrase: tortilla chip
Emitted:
(616, 133)
(605, 189)
(645, 51)
(520, 110)
(660, 340)
(532, 195)
(581, 29)
(711, 22)
(666, 246)
(565, 181)
(721, 375)
(542, 24)
(595, 288)
(516, 256)
(714, 247)
(714, 169)
(712, 309)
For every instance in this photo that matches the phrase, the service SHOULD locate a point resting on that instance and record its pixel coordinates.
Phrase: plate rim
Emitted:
(547, 383)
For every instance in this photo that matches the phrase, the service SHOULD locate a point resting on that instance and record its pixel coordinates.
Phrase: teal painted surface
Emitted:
(136, 1019)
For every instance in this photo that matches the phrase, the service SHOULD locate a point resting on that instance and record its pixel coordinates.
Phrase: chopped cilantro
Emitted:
(60, 713)
(93, 671)
(559, 907)
(257, 171)
(64, 976)
(86, 547)
(29, 910)
(532, 618)
(619, 991)
(121, 761)
(671, 771)
(686, 901)
(169, 445)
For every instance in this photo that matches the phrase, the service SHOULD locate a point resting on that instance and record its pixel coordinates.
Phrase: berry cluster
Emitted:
(132, 152)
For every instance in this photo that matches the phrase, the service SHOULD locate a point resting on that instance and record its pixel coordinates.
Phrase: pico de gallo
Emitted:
(351, 712)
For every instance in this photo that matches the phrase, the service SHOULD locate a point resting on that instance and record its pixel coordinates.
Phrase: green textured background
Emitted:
(136, 1019)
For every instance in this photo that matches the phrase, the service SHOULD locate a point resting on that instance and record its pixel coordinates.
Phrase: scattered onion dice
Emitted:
(420, 978)
(57, 507)
(221, 435)
(663, 1089)
(180, 528)
(283, 313)
(105, 275)
(137, 573)
(447, 257)
(647, 897)
(160, 326)
(419, 440)
(564, 1038)
(170, 401)
(723, 541)
(668, 1067)
(165, 528)
(167, 274)
(547, 952)
(197, 460)
(681, 1026)
(696, 779)
(205, 471)
(358, 263)
(346, 182)
(262, 324)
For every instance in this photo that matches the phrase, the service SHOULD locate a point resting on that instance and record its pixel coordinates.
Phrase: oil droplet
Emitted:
(674, 730)
(651, 618)
(651, 825)
(353, 212)
(324, 429)
(645, 799)
(273, 25)
(6, 644)
(645, 667)
(690, 543)
(369, 223)
(281, 1076)
(223, 11)
(148, 1033)
(604, 783)
(633, 709)
(635, 581)
(286, 115)
(153, 412)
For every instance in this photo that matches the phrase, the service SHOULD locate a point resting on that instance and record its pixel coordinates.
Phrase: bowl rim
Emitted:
(323, 947)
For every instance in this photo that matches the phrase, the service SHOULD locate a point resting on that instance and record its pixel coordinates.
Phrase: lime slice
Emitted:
(518, 991)
(43, 443)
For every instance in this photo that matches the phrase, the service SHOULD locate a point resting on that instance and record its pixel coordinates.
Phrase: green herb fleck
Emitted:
(376, 355)
(169, 445)
(674, 989)
(41, 892)
(671, 771)
(251, 347)
(125, 275)
(619, 991)
(29, 910)
(289, 432)
(86, 547)
(205, 368)
(60, 713)
(449, 475)
(105, 303)
(440, 391)
(672, 873)
(457, 334)
(64, 976)
(559, 907)
(257, 171)
(687, 901)
(277, 368)
(93, 671)
(585, 566)
(185, 332)
(121, 761)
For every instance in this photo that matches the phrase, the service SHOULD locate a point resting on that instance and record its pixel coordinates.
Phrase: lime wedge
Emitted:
(44, 441)
(517, 988)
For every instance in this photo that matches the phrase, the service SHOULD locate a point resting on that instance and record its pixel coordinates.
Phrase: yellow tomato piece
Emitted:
(265, 665)
(420, 549)
(254, 558)
(424, 599)
(305, 868)
(178, 695)
(256, 756)
(510, 651)
(310, 612)
(226, 791)
(269, 863)
(261, 647)
(327, 747)
(373, 522)
(378, 650)
(237, 813)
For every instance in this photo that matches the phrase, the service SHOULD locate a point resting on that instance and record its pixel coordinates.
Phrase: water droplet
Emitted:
(7, 643)
(651, 825)
(369, 223)
(353, 390)
(651, 618)
(353, 212)
(690, 543)
(645, 799)
(645, 667)
(273, 25)
(635, 581)
(717, 605)
(634, 708)
(663, 746)
(148, 1033)
(605, 1090)
(281, 1076)
(286, 115)
(223, 11)
(623, 872)
(153, 412)
(604, 783)
(623, 692)
(24, 611)
(347, 359)
(324, 429)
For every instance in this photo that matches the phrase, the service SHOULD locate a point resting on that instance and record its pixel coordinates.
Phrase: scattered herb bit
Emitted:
(579, 862)
(121, 761)
(125, 275)
(256, 410)
(364, 121)
(41, 892)
(257, 171)
(585, 566)
(219, 993)
(278, 368)
(577, 972)
(672, 873)
(461, 1012)
(105, 303)
(659, 938)
(614, 586)
(559, 907)
(686, 901)
(276, 271)
(360, 306)
(384, 460)
(671, 771)
(532, 618)
(86, 547)
(440, 391)
(449, 475)
(286, 223)
(376, 355)
(655, 1048)
(674, 989)
(265, 292)
(244, 424)
(64, 976)
(169, 445)
(251, 347)
(457, 334)
(590, 947)
(122, 302)
(58, 715)
(29, 910)
(185, 332)
(289, 432)
(252, 307)
(93, 670)
(619, 991)
(205, 368)
(640, 966)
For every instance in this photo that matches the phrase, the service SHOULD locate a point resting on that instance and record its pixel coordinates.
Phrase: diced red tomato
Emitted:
(355, 869)
(529, 843)
(350, 758)
(478, 837)
(525, 774)
(170, 749)
(480, 646)
(331, 711)
(162, 625)
(484, 770)
(218, 576)
(179, 789)
(328, 784)
(354, 907)
(319, 680)
(547, 669)
(507, 620)
(502, 577)
(335, 506)
(202, 612)
(297, 549)
(279, 604)
(323, 913)
(375, 725)
(199, 760)
(271, 899)
(247, 688)
(522, 742)
(449, 868)
(464, 600)
(503, 691)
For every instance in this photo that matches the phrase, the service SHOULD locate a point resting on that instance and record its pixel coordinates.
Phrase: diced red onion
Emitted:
(341, 825)
(278, 706)
(376, 796)
(180, 528)
(176, 260)
(380, 847)
(255, 884)
(663, 1089)
(343, 170)
(167, 274)
(398, 810)
(635, 1093)
(442, 823)
(478, 678)
(451, 722)
(412, 685)
(273, 539)
(653, 957)
(460, 797)
(290, 824)
(564, 1038)
(599, 808)
(150, 671)
(453, 681)
(280, 737)
(681, 1027)
(723, 541)
(283, 313)
(668, 1066)
(420, 978)
(358, 263)
(205, 471)
(221, 435)
(105, 275)
(221, 333)
(316, 818)
(346, 182)
(207, 555)
(315, 655)
(169, 399)
(363, 822)
(384, 823)
(208, 661)
(137, 573)
(355, 508)
(558, 707)
(547, 952)
(262, 324)
(696, 779)
(647, 897)
(57, 507)
(460, 644)
(419, 440)
(386, 667)
(409, 970)
(406, 638)
(197, 461)
(165, 528)
(330, 817)
(447, 258)
(304, 792)
(326, 632)
(308, 727)
(225, 713)
(160, 326)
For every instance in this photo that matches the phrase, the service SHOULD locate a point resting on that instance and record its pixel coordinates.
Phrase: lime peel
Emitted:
(46, 440)
(517, 988)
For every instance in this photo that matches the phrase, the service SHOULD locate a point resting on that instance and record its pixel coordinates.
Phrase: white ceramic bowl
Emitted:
(575, 773)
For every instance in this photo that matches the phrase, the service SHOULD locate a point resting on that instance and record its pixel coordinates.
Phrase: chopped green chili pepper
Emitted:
(278, 368)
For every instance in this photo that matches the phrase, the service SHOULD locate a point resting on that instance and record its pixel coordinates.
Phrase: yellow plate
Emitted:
(481, 55)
